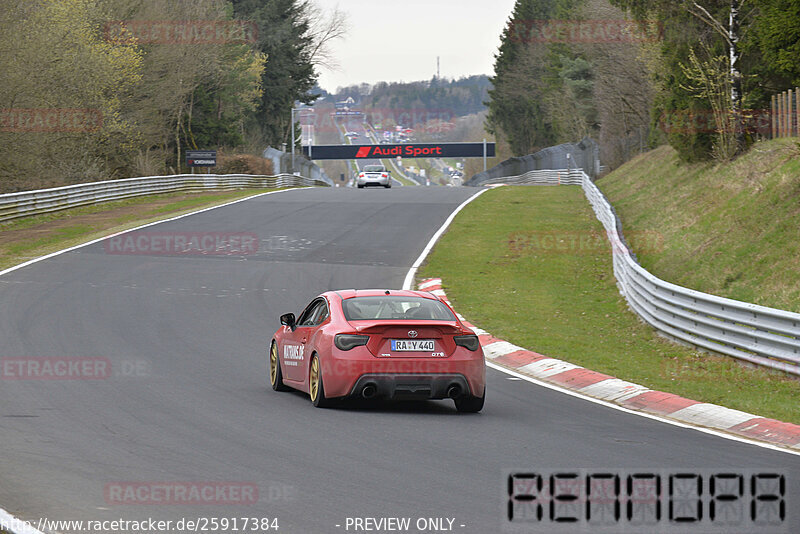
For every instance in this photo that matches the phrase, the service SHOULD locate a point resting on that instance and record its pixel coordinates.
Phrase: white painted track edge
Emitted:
(409, 280)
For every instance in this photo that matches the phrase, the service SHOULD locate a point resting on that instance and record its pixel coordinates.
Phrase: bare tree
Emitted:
(623, 87)
(732, 35)
(324, 27)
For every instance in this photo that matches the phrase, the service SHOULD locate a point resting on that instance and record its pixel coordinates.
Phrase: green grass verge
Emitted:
(106, 218)
(565, 303)
(729, 229)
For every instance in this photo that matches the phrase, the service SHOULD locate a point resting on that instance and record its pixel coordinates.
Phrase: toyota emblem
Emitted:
(412, 333)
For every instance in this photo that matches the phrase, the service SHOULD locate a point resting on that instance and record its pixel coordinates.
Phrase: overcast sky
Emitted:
(398, 40)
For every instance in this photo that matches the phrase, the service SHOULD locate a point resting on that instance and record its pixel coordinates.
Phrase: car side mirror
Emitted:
(289, 320)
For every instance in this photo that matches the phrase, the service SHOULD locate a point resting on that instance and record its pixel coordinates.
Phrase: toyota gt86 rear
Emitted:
(378, 343)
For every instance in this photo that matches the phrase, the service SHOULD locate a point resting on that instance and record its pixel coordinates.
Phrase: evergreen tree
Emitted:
(289, 76)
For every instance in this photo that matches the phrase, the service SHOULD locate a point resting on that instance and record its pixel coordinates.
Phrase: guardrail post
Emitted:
(789, 114)
(797, 109)
(785, 115)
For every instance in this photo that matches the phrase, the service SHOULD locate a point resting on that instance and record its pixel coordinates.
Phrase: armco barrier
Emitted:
(757, 334)
(25, 203)
(582, 155)
(541, 177)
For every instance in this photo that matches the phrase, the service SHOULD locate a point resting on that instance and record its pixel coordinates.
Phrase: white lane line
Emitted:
(672, 422)
(409, 281)
(57, 253)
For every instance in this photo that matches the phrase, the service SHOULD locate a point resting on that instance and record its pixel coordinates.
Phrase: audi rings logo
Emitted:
(412, 333)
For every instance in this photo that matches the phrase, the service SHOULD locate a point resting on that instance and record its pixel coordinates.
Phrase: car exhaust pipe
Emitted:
(454, 391)
(369, 391)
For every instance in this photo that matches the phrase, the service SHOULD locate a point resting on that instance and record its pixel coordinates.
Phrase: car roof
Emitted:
(351, 293)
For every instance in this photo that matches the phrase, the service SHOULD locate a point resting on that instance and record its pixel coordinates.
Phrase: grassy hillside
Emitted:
(731, 230)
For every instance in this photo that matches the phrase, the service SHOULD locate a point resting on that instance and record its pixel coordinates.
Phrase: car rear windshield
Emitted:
(374, 168)
(390, 307)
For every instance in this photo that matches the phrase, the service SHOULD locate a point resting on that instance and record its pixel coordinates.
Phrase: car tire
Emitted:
(470, 404)
(275, 373)
(316, 387)
(360, 186)
(388, 186)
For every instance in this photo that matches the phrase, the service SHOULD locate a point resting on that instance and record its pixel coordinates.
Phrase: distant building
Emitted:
(345, 104)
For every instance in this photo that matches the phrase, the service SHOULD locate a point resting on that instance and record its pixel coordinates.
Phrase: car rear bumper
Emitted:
(373, 181)
(344, 371)
(411, 386)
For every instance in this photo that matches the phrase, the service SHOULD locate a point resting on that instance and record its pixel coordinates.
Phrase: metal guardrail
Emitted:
(757, 334)
(14, 205)
(582, 155)
(541, 177)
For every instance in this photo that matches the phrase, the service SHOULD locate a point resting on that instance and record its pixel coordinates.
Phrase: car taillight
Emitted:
(350, 341)
(383, 175)
(469, 342)
(361, 175)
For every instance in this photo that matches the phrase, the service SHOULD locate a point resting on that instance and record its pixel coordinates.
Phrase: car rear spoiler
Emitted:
(366, 327)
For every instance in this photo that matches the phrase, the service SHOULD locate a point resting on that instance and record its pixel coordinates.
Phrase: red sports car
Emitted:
(378, 343)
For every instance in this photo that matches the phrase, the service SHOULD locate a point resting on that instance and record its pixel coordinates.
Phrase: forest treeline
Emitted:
(101, 89)
(697, 74)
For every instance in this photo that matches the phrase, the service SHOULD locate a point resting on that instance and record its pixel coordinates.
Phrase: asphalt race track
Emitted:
(188, 398)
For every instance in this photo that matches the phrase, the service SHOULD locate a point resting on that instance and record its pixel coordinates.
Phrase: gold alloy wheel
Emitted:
(314, 379)
(273, 364)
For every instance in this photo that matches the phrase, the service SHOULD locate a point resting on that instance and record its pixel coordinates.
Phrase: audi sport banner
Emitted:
(409, 150)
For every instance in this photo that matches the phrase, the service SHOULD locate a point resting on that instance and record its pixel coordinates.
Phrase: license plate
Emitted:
(412, 345)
